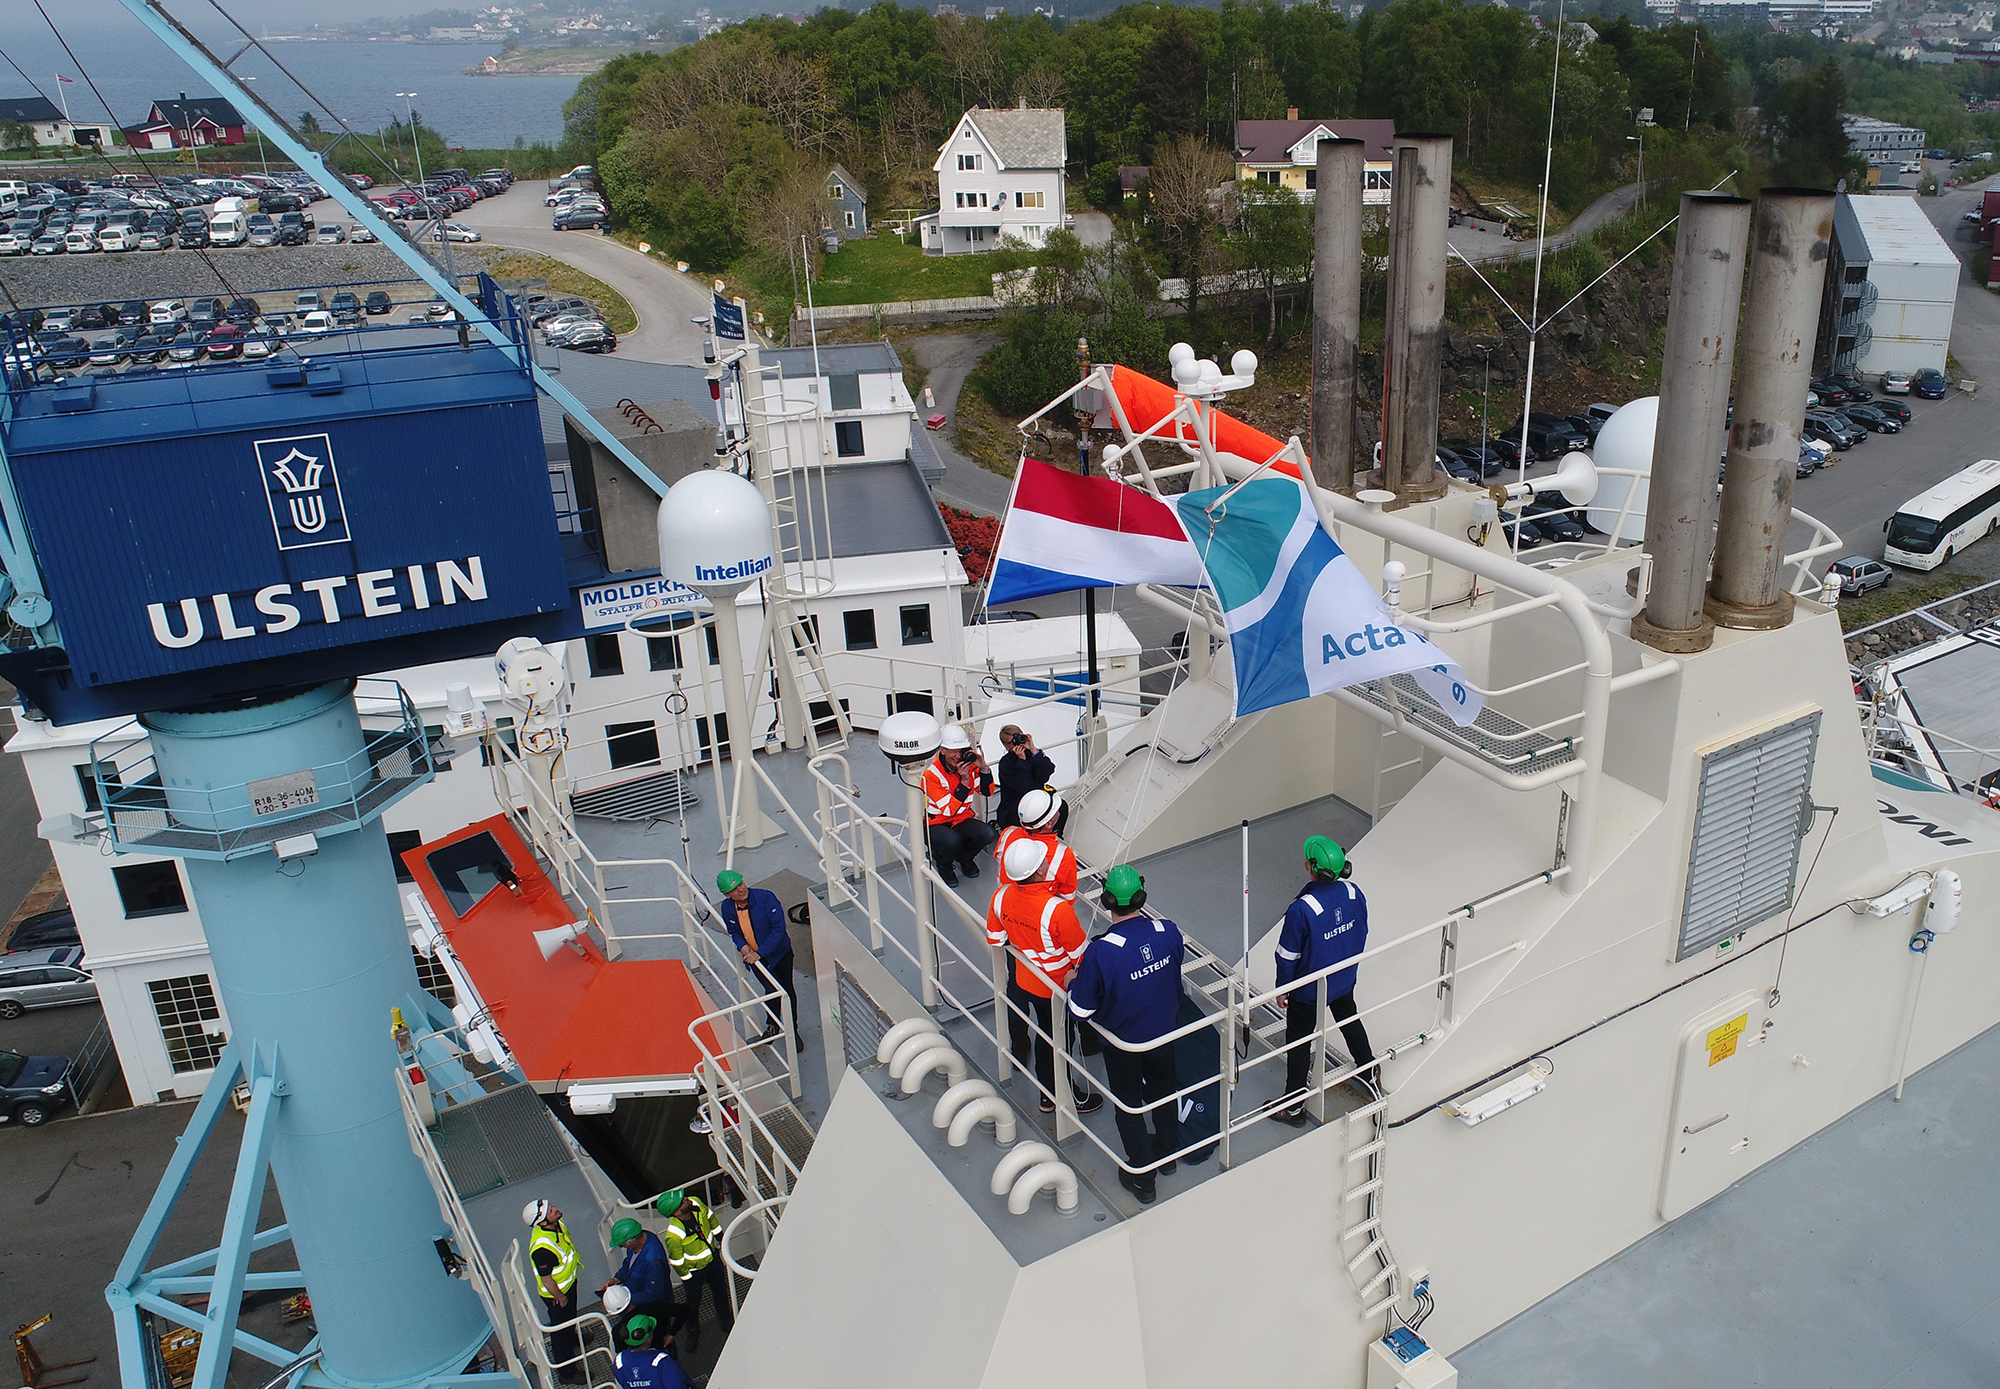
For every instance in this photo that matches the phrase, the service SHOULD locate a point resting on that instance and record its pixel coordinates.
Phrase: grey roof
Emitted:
(835, 358)
(187, 110)
(1023, 138)
(600, 382)
(875, 509)
(32, 109)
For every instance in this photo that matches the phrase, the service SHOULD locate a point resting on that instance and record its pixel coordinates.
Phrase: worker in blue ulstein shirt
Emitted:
(641, 1367)
(768, 944)
(1128, 985)
(1325, 924)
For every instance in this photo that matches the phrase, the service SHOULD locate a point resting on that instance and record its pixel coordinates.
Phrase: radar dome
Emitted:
(1625, 441)
(715, 533)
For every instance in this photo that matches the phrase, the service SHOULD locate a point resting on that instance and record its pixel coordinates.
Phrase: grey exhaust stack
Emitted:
(1336, 309)
(1794, 237)
(1694, 407)
(1419, 222)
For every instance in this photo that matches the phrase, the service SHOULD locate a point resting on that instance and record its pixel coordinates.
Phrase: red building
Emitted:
(189, 121)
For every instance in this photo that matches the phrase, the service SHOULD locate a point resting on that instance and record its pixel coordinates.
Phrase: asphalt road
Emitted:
(23, 857)
(664, 299)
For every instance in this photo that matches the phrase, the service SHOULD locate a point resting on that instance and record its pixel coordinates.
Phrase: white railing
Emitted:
(593, 1363)
(855, 846)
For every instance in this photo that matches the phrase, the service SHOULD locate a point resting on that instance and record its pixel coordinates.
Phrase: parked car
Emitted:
(118, 239)
(43, 979)
(377, 302)
(331, 234)
(1843, 434)
(454, 231)
(578, 219)
(1553, 521)
(263, 231)
(1927, 382)
(1530, 533)
(1856, 392)
(259, 344)
(1871, 419)
(167, 311)
(1828, 392)
(345, 306)
(1894, 409)
(307, 300)
(187, 348)
(1585, 425)
(1859, 574)
(45, 931)
(1809, 460)
(360, 233)
(1895, 383)
(49, 244)
(315, 321)
(243, 311)
(224, 341)
(292, 230)
(592, 337)
(32, 1088)
(1549, 436)
(113, 349)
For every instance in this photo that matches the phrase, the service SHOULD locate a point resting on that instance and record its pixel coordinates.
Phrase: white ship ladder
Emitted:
(1397, 770)
(1364, 1245)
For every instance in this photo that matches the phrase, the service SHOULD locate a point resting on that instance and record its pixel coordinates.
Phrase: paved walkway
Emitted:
(950, 357)
(1481, 241)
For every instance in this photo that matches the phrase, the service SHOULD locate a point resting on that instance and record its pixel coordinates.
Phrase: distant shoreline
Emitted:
(556, 62)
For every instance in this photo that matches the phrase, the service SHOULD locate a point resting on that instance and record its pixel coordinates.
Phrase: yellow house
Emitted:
(1286, 152)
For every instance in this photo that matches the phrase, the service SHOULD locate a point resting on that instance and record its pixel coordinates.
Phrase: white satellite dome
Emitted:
(715, 533)
(1625, 441)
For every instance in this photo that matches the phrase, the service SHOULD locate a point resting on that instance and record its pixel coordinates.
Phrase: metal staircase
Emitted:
(1390, 765)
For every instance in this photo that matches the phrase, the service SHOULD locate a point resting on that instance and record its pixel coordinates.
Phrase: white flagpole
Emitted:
(62, 96)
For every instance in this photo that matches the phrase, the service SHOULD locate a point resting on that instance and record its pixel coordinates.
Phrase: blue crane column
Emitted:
(310, 955)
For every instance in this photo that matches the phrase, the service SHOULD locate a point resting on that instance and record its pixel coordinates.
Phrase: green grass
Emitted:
(881, 271)
(565, 279)
(1897, 598)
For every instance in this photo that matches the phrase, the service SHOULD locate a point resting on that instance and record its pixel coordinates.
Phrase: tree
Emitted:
(1801, 125)
(1275, 242)
(16, 135)
(1042, 86)
(1186, 176)
(1170, 80)
(308, 123)
(704, 232)
(784, 218)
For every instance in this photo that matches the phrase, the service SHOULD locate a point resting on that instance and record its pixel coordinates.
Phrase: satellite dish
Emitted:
(1625, 442)
(715, 533)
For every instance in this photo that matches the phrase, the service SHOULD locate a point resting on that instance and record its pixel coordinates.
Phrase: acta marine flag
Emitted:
(1301, 618)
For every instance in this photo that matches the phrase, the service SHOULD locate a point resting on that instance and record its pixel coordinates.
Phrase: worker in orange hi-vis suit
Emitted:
(1038, 923)
(957, 835)
(1041, 812)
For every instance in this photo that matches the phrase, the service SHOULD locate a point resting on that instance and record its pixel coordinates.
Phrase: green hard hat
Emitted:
(625, 1229)
(670, 1201)
(1324, 856)
(639, 1331)
(728, 880)
(1122, 884)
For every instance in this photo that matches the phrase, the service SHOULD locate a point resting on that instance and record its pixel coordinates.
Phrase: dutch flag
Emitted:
(1064, 531)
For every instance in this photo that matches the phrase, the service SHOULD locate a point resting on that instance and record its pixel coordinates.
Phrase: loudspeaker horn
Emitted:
(556, 937)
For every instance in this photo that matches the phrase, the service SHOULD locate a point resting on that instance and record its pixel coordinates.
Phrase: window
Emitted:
(1379, 180)
(847, 438)
(663, 653)
(605, 657)
(186, 1009)
(88, 785)
(1267, 176)
(632, 744)
(400, 843)
(1312, 178)
(859, 627)
(433, 735)
(916, 624)
(1030, 199)
(976, 234)
(901, 702)
(969, 162)
(972, 200)
(150, 889)
(469, 869)
(833, 192)
(714, 650)
(843, 390)
(701, 734)
(849, 219)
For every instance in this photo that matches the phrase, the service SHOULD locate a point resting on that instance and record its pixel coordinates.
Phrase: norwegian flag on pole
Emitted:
(1064, 532)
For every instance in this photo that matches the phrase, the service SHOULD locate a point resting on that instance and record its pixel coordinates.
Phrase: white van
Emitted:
(13, 187)
(77, 240)
(118, 238)
(230, 228)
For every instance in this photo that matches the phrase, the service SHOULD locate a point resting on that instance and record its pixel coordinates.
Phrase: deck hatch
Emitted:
(1748, 823)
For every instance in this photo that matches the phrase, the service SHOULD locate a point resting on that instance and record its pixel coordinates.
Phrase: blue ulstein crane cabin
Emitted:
(219, 530)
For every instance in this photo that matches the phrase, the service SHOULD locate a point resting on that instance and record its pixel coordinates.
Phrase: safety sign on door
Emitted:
(1722, 1040)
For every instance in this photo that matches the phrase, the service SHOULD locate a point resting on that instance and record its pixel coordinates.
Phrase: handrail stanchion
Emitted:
(871, 890)
(612, 948)
(1316, 1072)
(1067, 1124)
(1003, 1066)
(1228, 1067)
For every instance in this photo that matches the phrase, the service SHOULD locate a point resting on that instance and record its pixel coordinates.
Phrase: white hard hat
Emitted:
(616, 1299)
(1024, 859)
(533, 1212)
(953, 737)
(1040, 807)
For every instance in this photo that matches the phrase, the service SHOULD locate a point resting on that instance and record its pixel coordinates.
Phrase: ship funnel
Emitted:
(1336, 309)
(1794, 233)
(1419, 221)
(1709, 253)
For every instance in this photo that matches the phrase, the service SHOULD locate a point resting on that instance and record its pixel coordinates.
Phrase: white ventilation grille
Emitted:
(1748, 823)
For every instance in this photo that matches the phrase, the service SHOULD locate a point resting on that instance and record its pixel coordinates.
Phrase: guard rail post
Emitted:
(1002, 1025)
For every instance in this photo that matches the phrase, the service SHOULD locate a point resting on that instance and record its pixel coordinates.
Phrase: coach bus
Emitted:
(1932, 526)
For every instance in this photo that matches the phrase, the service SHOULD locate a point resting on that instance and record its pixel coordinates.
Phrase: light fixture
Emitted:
(603, 1099)
(556, 937)
(1476, 1108)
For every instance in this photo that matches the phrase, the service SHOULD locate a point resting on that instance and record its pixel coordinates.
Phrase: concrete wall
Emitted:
(1912, 319)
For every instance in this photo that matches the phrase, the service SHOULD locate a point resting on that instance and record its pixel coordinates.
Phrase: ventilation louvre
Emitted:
(1748, 824)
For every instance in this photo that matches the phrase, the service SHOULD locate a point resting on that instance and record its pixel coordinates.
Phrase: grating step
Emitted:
(1367, 1150)
(1365, 1189)
(1374, 1247)
(643, 798)
(1373, 1222)
(1367, 1111)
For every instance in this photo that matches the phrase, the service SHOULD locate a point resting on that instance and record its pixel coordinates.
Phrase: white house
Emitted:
(142, 934)
(1891, 290)
(865, 407)
(52, 127)
(1000, 173)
